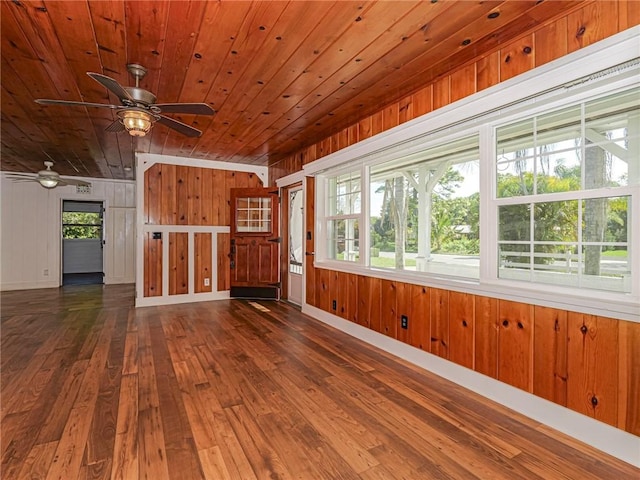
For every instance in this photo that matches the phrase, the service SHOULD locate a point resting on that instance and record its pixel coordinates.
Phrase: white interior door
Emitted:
(296, 238)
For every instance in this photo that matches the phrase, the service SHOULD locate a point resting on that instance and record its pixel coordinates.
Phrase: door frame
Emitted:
(284, 233)
(103, 227)
(285, 184)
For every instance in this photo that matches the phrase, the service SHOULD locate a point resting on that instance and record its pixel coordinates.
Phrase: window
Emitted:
(296, 230)
(253, 215)
(563, 200)
(425, 211)
(504, 194)
(81, 225)
(342, 222)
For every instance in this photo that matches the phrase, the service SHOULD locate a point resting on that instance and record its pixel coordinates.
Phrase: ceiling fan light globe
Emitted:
(136, 122)
(48, 182)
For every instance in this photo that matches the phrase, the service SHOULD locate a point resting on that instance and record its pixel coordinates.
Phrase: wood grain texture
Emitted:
(152, 266)
(531, 43)
(592, 366)
(486, 336)
(629, 377)
(225, 390)
(180, 195)
(388, 308)
(178, 263)
(223, 267)
(439, 317)
(309, 239)
(203, 263)
(515, 344)
(369, 298)
(461, 329)
(550, 354)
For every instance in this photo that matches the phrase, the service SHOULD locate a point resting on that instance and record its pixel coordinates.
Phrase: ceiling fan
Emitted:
(138, 110)
(47, 178)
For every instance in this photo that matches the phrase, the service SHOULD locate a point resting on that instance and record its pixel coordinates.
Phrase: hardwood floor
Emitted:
(93, 388)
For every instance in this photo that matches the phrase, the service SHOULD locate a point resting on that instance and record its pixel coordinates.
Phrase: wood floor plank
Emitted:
(125, 449)
(95, 388)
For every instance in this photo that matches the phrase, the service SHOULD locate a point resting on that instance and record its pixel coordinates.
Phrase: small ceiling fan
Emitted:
(138, 110)
(47, 178)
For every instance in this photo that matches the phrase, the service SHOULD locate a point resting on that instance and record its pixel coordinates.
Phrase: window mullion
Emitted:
(488, 206)
(365, 214)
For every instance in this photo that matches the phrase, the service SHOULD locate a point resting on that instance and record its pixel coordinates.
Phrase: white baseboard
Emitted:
(9, 286)
(611, 440)
(175, 299)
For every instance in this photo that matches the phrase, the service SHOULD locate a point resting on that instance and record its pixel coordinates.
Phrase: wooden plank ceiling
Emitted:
(280, 75)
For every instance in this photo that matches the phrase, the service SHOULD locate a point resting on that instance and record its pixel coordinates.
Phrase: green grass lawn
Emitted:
(615, 253)
(385, 262)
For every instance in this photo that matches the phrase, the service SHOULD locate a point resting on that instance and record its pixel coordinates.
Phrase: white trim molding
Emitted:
(191, 296)
(147, 160)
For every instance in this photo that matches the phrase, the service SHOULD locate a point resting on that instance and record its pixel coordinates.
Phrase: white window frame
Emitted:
(557, 84)
(491, 204)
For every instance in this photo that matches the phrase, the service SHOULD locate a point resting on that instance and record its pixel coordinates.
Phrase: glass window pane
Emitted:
(514, 261)
(81, 231)
(296, 230)
(344, 194)
(558, 171)
(514, 222)
(343, 240)
(515, 159)
(81, 218)
(424, 215)
(556, 221)
(253, 215)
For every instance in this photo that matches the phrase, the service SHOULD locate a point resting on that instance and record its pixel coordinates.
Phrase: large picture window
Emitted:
(425, 211)
(563, 201)
(528, 199)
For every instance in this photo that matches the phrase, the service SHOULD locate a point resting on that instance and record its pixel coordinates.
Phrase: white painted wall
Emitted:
(30, 231)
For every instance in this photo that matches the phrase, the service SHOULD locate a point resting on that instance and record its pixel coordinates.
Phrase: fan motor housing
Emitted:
(141, 95)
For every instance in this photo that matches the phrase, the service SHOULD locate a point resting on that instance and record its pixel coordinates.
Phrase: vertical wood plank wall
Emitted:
(188, 196)
(586, 363)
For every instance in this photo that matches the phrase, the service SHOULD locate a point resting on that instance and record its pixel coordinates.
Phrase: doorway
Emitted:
(82, 242)
(255, 246)
(295, 254)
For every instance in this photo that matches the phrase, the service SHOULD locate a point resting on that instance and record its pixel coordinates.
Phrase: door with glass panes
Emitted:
(255, 244)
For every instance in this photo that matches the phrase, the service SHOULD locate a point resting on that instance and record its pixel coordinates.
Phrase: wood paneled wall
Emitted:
(179, 195)
(594, 22)
(191, 196)
(587, 363)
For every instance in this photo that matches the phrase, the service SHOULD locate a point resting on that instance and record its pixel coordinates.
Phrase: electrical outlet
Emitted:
(404, 321)
(45, 272)
(206, 282)
(334, 305)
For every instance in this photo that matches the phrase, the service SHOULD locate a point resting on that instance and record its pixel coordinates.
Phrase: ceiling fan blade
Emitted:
(47, 101)
(111, 85)
(115, 127)
(183, 128)
(192, 108)
(23, 179)
(20, 175)
(71, 181)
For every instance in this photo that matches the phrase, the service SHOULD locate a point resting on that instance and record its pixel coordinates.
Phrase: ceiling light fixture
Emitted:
(48, 182)
(137, 122)
(48, 178)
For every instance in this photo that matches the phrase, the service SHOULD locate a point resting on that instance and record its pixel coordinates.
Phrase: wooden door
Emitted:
(255, 245)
